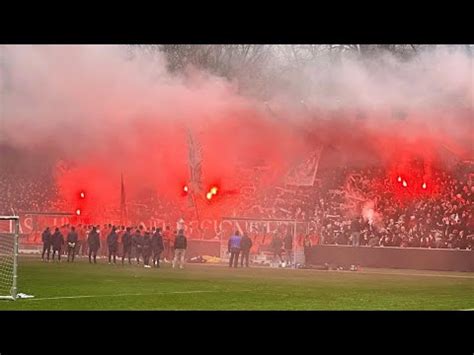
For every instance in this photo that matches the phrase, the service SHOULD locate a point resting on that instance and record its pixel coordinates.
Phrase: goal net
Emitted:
(9, 234)
(261, 232)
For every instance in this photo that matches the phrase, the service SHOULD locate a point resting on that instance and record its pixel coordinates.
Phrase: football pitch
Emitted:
(82, 286)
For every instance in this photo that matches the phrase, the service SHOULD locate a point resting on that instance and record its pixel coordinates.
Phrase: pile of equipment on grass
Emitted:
(212, 259)
(314, 267)
(326, 266)
(201, 259)
(197, 260)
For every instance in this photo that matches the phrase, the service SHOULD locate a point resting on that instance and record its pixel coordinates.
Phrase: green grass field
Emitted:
(81, 286)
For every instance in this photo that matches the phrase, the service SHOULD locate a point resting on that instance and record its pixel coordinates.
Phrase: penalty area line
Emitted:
(131, 294)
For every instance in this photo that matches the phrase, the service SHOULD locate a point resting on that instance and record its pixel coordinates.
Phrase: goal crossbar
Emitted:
(47, 213)
(262, 220)
(9, 218)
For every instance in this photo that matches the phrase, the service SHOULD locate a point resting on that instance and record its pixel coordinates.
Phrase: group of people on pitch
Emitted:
(141, 243)
(240, 246)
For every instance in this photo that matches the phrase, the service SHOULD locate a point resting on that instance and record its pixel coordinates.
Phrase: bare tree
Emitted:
(401, 51)
(259, 69)
(222, 60)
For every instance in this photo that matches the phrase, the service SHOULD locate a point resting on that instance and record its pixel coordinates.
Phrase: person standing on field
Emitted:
(57, 240)
(157, 246)
(137, 244)
(112, 243)
(180, 245)
(127, 245)
(72, 239)
(46, 238)
(277, 245)
(93, 242)
(146, 249)
(120, 232)
(245, 246)
(233, 248)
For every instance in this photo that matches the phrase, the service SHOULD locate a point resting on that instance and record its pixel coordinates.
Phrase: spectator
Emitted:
(180, 245)
(245, 246)
(234, 247)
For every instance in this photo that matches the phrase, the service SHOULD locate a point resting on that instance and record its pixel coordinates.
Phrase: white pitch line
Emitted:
(128, 294)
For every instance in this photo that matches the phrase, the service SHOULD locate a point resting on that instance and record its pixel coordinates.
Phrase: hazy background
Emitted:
(104, 110)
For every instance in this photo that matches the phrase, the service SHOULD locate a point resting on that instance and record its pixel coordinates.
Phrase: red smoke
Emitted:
(114, 116)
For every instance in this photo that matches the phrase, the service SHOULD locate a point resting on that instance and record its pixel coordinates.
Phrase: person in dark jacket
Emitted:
(180, 245)
(288, 245)
(137, 244)
(245, 246)
(157, 246)
(57, 241)
(127, 245)
(46, 238)
(72, 239)
(93, 242)
(233, 247)
(146, 249)
(112, 243)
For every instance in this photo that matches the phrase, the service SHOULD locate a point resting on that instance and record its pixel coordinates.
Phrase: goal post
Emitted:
(289, 222)
(9, 239)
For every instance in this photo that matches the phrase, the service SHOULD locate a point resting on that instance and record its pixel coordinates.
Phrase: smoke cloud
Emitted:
(104, 113)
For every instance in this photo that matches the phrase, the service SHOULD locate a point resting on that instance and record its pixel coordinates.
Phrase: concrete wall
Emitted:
(203, 247)
(388, 257)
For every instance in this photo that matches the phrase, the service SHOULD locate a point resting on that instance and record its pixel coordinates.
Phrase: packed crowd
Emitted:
(26, 181)
(442, 216)
(21, 192)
